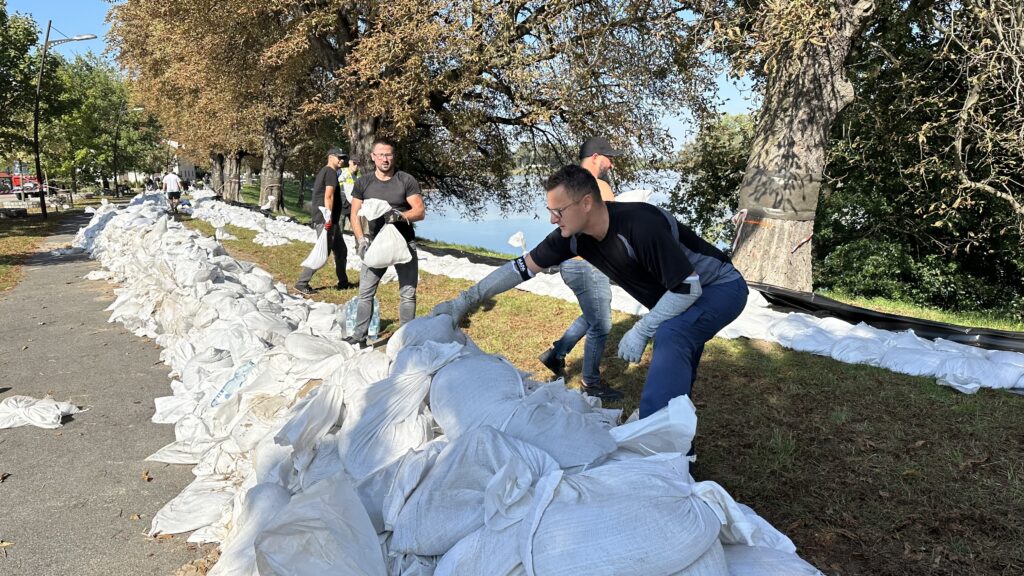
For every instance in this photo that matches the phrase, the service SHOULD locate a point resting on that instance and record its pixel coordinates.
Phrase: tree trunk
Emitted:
(274, 156)
(217, 172)
(106, 182)
(302, 191)
(232, 176)
(362, 129)
(779, 192)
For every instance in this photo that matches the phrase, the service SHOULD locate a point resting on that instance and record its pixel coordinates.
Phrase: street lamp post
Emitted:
(35, 118)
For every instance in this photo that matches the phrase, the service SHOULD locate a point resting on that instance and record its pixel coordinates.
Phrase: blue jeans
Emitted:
(594, 293)
(679, 343)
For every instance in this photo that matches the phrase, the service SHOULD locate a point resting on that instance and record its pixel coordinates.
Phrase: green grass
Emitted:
(868, 471)
(19, 240)
(292, 208)
(993, 320)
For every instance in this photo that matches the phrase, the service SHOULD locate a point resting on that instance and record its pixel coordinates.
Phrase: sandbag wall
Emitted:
(428, 458)
(964, 368)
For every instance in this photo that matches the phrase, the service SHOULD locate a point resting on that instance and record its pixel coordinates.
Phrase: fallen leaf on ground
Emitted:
(146, 476)
(4, 476)
(6, 544)
(135, 517)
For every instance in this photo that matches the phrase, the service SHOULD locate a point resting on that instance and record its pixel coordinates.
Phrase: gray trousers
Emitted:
(369, 279)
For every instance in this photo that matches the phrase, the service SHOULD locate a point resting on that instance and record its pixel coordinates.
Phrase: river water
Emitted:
(493, 229)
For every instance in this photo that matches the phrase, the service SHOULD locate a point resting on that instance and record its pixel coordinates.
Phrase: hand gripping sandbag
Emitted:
(318, 255)
(387, 249)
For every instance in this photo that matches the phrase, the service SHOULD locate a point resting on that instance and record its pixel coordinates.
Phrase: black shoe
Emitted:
(603, 391)
(359, 344)
(553, 363)
(304, 289)
(344, 286)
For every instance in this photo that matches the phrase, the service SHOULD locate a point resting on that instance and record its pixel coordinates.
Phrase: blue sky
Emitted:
(74, 17)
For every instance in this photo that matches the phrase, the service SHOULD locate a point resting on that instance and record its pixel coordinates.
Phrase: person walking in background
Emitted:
(171, 185)
(402, 193)
(593, 291)
(326, 193)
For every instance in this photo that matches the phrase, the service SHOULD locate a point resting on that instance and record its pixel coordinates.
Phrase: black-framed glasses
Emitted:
(557, 212)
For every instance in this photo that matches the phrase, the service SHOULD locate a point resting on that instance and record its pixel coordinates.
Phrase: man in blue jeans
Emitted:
(689, 286)
(592, 289)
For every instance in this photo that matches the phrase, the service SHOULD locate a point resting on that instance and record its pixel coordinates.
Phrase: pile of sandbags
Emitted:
(431, 457)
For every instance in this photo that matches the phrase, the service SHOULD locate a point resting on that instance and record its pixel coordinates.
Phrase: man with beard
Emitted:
(402, 192)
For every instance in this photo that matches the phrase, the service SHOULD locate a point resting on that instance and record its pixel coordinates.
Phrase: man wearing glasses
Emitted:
(689, 286)
(402, 192)
(593, 291)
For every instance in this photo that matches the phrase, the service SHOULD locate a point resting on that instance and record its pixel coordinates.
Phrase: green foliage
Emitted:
(712, 168)
(79, 144)
(17, 36)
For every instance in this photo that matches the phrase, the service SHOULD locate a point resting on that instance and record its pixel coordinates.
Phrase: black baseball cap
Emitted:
(337, 152)
(598, 145)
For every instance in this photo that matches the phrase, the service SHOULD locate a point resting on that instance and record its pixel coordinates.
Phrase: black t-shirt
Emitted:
(326, 177)
(640, 253)
(395, 192)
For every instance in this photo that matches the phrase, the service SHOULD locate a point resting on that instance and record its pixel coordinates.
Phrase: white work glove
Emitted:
(504, 278)
(361, 247)
(670, 305)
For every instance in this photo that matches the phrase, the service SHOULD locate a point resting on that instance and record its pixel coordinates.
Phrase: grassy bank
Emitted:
(976, 319)
(19, 240)
(869, 472)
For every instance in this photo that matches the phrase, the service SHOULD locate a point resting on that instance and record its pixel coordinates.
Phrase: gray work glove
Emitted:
(504, 278)
(670, 305)
(361, 247)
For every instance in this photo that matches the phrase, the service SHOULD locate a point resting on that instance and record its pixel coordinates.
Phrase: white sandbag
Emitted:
(485, 551)
(912, 360)
(238, 553)
(668, 430)
(484, 477)
(421, 330)
(318, 255)
(373, 208)
(313, 416)
(24, 410)
(570, 432)
(969, 373)
(711, 563)
(200, 504)
(385, 491)
(858, 350)
(390, 418)
(635, 517)
(388, 248)
(760, 561)
(473, 391)
(740, 524)
(323, 530)
(641, 195)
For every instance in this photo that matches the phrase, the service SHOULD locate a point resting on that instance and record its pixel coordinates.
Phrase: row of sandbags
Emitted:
(965, 368)
(430, 457)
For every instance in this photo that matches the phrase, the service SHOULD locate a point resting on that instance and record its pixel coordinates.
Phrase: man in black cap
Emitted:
(593, 291)
(327, 193)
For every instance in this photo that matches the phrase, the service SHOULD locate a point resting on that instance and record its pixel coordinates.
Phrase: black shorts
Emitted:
(174, 195)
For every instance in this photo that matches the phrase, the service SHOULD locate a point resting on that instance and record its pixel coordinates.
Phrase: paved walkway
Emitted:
(72, 492)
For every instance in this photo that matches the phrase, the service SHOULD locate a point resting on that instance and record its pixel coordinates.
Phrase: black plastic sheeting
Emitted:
(820, 306)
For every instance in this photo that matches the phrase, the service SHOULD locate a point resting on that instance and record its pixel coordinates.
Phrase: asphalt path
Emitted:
(76, 500)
